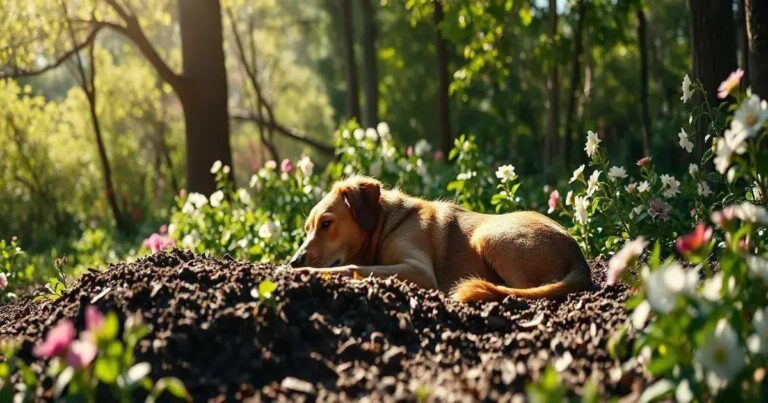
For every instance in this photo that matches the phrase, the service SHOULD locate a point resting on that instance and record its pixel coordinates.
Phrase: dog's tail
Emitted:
(475, 289)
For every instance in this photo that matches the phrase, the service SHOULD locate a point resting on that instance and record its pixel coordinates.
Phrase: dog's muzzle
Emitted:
(298, 259)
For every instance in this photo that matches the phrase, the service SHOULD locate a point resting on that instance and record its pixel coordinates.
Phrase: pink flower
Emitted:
(724, 217)
(409, 151)
(658, 208)
(554, 200)
(93, 318)
(81, 353)
(56, 341)
(439, 155)
(3, 281)
(694, 241)
(157, 243)
(286, 166)
(163, 229)
(644, 161)
(730, 83)
(624, 258)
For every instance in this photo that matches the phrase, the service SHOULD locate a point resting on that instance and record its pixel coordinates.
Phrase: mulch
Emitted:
(337, 338)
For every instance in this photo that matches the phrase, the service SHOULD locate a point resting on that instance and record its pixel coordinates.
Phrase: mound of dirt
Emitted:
(336, 338)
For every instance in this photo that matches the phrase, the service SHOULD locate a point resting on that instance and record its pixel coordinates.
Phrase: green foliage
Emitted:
(15, 270)
(109, 370)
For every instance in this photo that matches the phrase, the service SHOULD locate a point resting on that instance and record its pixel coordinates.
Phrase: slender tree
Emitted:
(443, 81)
(350, 64)
(371, 78)
(86, 78)
(642, 43)
(201, 87)
(713, 38)
(553, 89)
(757, 30)
(575, 80)
(741, 24)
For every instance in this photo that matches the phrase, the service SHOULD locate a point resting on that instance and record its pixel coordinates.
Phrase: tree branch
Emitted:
(18, 73)
(249, 117)
(132, 30)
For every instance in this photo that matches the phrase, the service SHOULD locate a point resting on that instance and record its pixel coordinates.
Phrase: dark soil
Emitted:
(337, 338)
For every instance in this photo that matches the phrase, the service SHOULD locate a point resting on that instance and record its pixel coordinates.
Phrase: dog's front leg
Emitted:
(413, 271)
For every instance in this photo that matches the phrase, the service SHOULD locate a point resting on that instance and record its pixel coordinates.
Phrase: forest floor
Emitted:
(337, 338)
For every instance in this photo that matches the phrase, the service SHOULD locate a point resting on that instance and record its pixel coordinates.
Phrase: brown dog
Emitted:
(360, 227)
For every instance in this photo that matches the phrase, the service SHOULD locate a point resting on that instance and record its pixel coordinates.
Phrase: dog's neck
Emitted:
(396, 207)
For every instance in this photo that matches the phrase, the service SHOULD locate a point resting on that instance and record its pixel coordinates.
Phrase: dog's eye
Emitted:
(325, 224)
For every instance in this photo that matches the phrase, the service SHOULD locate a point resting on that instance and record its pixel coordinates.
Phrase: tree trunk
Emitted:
(350, 65)
(553, 88)
(642, 43)
(578, 50)
(713, 39)
(203, 92)
(757, 30)
(741, 24)
(443, 81)
(371, 79)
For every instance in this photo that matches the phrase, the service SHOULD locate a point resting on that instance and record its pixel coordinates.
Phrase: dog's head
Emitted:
(339, 226)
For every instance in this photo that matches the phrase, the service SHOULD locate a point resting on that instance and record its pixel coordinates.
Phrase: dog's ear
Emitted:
(362, 198)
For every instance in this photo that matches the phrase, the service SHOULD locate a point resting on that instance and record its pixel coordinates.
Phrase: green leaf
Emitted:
(266, 288)
(107, 370)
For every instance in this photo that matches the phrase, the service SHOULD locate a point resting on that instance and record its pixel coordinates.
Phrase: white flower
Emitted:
(358, 134)
(216, 198)
(188, 242)
(671, 185)
(370, 134)
(593, 183)
(712, 287)
(640, 315)
(643, 187)
(269, 230)
(685, 142)
(723, 153)
(632, 187)
(750, 213)
(216, 166)
(687, 90)
(3, 281)
(188, 208)
(225, 169)
(664, 285)
(580, 206)
(422, 147)
(617, 172)
(577, 173)
(683, 392)
(375, 169)
(345, 134)
(592, 142)
(383, 129)
(466, 175)
(703, 189)
(750, 116)
(271, 165)
(506, 173)
(254, 180)
(758, 267)
(244, 196)
(758, 342)
(306, 166)
(721, 355)
(693, 169)
(349, 170)
(569, 198)
(198, 200)
(623, 258)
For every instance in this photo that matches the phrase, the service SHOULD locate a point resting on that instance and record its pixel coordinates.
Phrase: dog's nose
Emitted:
(298, 259)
